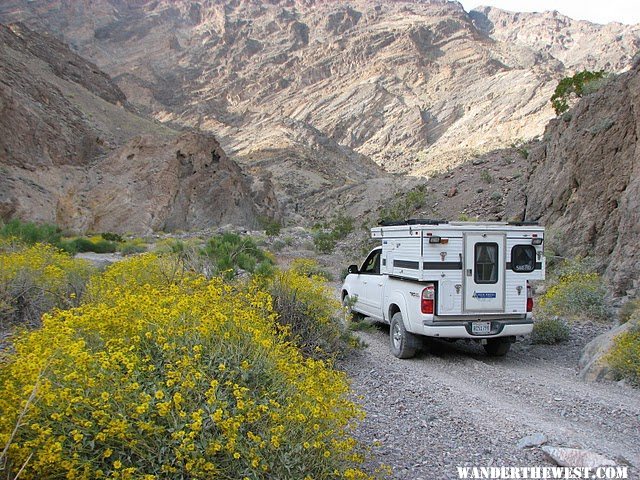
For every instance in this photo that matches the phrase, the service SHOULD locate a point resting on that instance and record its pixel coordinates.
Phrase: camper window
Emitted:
(486, 263)
(523, 258)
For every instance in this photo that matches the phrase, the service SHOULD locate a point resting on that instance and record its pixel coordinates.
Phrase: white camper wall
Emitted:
(402, 256)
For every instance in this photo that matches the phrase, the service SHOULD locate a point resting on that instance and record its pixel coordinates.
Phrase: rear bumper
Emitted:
(463, 329)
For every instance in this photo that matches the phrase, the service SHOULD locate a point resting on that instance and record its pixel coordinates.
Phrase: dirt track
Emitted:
(455, 406)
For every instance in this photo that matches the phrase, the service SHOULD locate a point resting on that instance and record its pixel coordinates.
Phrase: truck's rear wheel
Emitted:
(497, 347)
(403, 344)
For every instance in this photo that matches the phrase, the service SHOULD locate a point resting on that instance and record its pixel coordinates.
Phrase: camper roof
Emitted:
(429, 221)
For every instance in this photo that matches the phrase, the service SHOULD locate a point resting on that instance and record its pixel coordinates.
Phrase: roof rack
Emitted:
(411, 221)
(524, 224)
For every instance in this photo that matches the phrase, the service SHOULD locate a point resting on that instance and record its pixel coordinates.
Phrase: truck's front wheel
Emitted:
(403, 344)
(351, 314)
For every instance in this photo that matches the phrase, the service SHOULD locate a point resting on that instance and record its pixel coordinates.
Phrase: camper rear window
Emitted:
(523, 258)
(486, 263)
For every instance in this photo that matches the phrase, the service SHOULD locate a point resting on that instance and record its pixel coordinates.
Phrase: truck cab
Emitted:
(366, 285)
(459, 280)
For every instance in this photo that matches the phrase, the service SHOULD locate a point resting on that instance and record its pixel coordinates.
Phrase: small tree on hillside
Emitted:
(580, 84)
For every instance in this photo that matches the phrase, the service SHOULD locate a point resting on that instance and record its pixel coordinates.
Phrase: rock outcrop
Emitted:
(74, 153)
(585, 179)
(592, 364)
(315, 97)
(570, 41)
(329, 88)
(185, 183)
(576, 457)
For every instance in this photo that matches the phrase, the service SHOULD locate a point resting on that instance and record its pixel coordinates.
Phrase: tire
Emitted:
(403, 344)
(497, 347)
(355, 316)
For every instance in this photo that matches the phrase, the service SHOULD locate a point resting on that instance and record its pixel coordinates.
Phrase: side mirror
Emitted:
(353, 269)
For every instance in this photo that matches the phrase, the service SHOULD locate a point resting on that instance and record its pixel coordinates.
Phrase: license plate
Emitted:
(481, 328)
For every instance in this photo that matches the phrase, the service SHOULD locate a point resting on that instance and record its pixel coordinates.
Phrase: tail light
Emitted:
(427, 299)
(529, 298)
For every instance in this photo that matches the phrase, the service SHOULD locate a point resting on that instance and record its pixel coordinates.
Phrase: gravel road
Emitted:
(454, 406)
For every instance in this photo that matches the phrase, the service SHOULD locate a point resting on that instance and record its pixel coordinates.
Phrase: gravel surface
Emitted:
(454, 406)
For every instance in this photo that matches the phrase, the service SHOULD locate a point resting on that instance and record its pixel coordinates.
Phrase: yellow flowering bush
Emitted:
(310, 314)
(164, 374)
(10, 244)
(135, 274)
(575, 293)
(36, 279)
(624, 356)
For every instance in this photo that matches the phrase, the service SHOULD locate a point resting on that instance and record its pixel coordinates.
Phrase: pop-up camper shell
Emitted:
(477, 268)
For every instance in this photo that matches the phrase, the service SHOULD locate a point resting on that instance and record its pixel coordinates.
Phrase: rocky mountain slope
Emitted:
(74, 153)
(584, 181)
(581, 180)
(316, 97)
(319, 93)
(578, 44)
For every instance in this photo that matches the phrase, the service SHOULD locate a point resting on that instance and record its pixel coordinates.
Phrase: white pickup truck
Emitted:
(458, 280)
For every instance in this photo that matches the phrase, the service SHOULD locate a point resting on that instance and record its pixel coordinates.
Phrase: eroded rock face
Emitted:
(42, 124)
(179, 184)
(585, 179)
(72, 152)
(570, 41)
(414, 86)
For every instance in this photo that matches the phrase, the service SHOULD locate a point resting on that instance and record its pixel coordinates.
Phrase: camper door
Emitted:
(484, 272)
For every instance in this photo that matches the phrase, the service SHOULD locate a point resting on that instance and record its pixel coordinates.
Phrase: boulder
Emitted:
(574, 457)
(591, 363)
(534, 440)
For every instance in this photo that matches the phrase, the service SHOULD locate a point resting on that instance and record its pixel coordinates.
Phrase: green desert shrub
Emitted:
(550, 330)
(582, 83)
(83, 244)
(231, 253)
(271, 226)
(404, 205)
(132, 247)
(341, 226)
(324, 242)
(30, 233)
(112, 237)
(326, 235)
